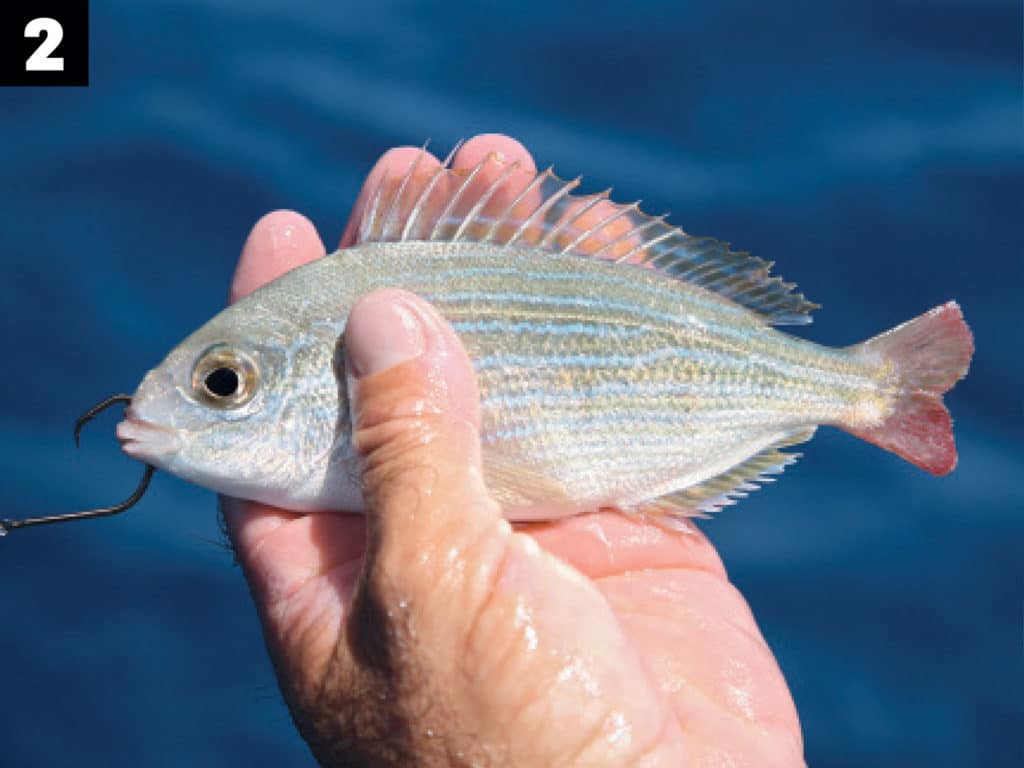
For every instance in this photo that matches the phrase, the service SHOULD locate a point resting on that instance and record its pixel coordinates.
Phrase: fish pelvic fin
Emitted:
(926, 356)
(501, 203)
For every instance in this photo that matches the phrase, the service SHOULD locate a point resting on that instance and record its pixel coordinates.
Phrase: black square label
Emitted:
(44, 42)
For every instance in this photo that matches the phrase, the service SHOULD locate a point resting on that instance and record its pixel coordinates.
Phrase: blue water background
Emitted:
(873, 149)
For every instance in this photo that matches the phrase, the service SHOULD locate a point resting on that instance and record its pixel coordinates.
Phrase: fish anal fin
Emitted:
(706, 498)
(503, 204)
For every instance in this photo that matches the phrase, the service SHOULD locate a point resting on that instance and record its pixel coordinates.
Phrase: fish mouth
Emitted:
(145, 440)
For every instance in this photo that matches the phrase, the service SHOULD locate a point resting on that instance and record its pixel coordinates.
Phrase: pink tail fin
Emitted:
(930, 353)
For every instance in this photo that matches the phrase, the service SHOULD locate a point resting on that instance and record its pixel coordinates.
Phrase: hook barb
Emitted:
(7, 525)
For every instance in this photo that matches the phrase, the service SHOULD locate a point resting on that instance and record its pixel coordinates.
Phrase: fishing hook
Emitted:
(10, 525)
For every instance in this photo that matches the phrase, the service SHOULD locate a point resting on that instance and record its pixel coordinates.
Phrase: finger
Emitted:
(392, 166)
(504, 148)
(280, 242)
(404, 174)
(502, 183)
(603, 230)
(415, 408)
(448, 594)
(607, 233)
(435, 539)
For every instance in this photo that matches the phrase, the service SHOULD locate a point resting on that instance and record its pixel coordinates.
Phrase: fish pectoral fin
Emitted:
(706, 498)
(503, 204)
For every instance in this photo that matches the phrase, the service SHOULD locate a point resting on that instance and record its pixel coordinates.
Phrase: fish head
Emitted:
(248, 405)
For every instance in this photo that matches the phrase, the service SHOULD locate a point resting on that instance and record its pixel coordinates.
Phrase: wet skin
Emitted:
(431, 632)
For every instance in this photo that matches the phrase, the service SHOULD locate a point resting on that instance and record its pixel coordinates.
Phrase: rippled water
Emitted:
(873, 149)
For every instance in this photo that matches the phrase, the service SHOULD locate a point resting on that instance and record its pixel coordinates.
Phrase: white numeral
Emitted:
(52, 33)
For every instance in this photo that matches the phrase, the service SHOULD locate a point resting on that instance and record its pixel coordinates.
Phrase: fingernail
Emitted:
(382, 332)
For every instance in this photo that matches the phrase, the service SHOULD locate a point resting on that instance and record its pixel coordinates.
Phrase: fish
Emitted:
(622, 363)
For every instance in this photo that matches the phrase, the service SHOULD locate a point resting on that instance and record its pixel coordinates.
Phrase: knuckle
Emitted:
(399, 456)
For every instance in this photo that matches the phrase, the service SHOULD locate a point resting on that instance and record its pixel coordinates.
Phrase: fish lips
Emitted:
(145, 440)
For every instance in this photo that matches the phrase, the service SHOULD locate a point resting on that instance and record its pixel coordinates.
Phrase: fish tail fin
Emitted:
(928, 355)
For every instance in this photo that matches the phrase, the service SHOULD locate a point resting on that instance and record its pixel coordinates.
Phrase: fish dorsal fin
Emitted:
(704, 499)
(503, 204)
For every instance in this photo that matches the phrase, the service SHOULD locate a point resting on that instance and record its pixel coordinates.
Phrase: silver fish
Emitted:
(622, 362)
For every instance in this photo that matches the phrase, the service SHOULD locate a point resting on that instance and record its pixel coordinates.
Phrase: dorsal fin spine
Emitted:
(454, 199)
(396, 200)
(543, 208)
(537, 181)
(544, 213)
(571, 220)
(368, 226)
(635, 231)
(487, 195)
(421, 201)
(645, 246)
(605, 222)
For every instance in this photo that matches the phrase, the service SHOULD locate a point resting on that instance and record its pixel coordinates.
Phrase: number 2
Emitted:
(52, 33)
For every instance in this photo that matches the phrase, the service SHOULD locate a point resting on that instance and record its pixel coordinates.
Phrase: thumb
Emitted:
(468, 631)
(414, 405)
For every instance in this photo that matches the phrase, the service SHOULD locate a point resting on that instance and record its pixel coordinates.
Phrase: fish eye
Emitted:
(224, 377)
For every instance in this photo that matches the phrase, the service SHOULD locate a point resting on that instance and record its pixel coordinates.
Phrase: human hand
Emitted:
(431, 632)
